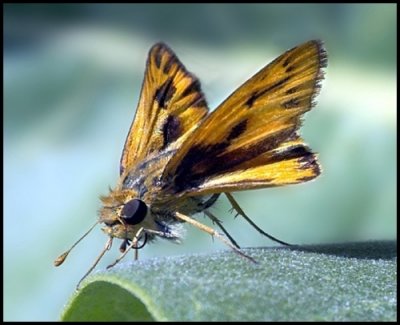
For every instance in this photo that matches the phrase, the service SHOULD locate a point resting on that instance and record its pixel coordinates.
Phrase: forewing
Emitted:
(251, 139)
(171, 105)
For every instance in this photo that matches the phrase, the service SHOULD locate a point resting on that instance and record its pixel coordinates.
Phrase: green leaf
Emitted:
(338, 282)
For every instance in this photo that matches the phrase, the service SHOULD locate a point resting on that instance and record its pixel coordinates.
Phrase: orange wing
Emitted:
(250, 140)
(171, 106)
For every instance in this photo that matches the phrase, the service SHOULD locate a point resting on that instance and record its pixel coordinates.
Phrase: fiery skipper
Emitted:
(178, 159)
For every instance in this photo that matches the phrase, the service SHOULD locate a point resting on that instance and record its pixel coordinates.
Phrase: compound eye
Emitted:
(134, 211)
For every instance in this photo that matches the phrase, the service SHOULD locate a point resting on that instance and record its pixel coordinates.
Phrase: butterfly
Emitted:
(178, 158)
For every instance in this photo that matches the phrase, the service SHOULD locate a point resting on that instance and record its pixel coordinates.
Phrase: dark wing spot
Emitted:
(254, 96)
(237, 130)
(184, 174)
(158, 55)
(200, 103)
(168, 65)
(292, 103)
(289, 69)
(265, 145)
(251, 99)
(291, 90)
(297, 151)
(274, 86)
(198, 163)
(286, 62)
(192, 88)
(310, 161)
(165, 92)
(171, 130)
(201, 162)
(170, 93)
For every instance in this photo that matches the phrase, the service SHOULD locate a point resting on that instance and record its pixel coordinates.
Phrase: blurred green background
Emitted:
(72, 76)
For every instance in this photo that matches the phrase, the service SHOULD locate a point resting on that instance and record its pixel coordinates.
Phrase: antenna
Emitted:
(59, 260)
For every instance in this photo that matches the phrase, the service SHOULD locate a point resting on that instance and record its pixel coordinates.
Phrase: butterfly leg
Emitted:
(106, 248)
(219, 224)
(136, 256)
(238, 209)
(134, 243)
(123, 247)
(212, 232)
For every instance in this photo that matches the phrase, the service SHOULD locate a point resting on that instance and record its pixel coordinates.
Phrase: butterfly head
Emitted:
(123, 214)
